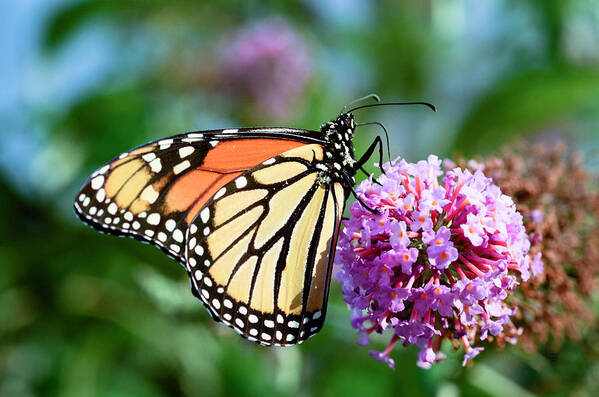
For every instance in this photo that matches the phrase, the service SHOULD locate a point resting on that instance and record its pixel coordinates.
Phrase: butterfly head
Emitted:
(345, 122)
(341, 130)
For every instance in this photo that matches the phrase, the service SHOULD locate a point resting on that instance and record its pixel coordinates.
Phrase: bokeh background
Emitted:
(83, 314)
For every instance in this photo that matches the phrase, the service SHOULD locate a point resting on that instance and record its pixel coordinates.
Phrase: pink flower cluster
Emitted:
(436, 261)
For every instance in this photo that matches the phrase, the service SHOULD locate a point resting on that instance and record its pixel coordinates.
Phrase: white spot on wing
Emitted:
(165, 143)
(101, 195)
(97, 182)
(241, 182)
(170, 225)
(149, 194)
(205, 214)
(220, 193)
(186, 151)
(182, 166)
(112, 208)
(156, 165)
(149, 156)
(178, 236)
(104, 169)
(153, 219)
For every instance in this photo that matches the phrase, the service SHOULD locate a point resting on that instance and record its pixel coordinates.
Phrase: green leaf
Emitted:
(69, 19)
(524, 103)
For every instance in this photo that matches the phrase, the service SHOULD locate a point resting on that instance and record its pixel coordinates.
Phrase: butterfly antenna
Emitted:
(386, 134)
(432, 107)
(375, 96)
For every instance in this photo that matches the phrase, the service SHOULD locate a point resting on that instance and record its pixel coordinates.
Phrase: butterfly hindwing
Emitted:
(253, 214)
(259, 253)
(153, 192)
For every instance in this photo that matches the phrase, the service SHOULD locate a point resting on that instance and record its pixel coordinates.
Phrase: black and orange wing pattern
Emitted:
(253, 214)
(153, 192)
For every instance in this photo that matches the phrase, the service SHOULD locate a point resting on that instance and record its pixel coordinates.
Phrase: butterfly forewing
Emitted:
(259, 253)
(153, 192)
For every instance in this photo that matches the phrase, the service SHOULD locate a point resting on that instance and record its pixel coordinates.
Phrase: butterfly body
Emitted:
(252, 214)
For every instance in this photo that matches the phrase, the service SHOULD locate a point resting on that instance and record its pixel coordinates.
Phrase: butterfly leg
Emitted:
(368, 175)
(350, 183)
(368, 154)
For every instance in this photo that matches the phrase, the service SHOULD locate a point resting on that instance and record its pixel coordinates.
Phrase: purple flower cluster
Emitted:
(269, 63)
(436, 261)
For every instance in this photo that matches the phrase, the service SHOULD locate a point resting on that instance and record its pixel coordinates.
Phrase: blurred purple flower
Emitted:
(267, 62)
(439, 258)
(383, 357)
(470, 354)
(537, 216)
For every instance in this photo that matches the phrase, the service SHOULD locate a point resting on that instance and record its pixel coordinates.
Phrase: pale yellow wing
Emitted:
(259, 254)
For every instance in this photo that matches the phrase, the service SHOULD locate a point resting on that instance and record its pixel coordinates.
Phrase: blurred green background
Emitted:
(83, 314)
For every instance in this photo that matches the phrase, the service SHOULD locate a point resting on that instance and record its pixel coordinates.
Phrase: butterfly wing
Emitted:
(259, 253)
(153, 192)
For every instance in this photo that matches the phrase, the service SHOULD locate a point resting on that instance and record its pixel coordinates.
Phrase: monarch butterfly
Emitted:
(253, 215)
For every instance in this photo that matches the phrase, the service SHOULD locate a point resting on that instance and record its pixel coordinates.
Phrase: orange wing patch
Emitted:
(245, 153)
